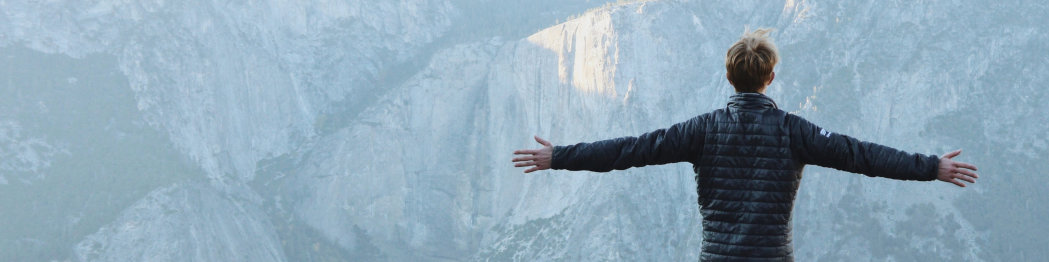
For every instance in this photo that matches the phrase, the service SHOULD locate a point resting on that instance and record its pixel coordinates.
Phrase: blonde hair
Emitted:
(750, 60)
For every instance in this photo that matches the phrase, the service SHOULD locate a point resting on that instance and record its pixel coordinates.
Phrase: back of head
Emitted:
(750, 60)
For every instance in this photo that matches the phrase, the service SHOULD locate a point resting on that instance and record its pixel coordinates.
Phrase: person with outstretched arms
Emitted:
(748, 158)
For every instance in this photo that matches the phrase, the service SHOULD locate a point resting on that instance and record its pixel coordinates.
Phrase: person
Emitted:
(748, 159)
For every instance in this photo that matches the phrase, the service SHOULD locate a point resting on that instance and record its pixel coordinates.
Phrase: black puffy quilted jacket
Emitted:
(748, 159)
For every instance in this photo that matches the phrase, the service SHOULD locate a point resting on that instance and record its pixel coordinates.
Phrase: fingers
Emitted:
(967, 179)
(525, 158)
(531, 158)
(959, 184)
(952, 154)
(966, 172)
(965, 165)
(542, 141)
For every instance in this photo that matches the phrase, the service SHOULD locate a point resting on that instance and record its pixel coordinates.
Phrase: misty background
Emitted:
(383, 130)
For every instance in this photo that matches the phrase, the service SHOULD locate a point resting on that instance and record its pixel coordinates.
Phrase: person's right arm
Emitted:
(814, 145)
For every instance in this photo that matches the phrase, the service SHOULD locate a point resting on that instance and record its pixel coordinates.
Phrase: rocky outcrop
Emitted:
(233, 83)
(185, 222)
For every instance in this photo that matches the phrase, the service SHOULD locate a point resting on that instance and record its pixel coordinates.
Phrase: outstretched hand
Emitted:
(538, 159)
(951, 170)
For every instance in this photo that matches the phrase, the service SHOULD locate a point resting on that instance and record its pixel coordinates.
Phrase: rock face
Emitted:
(197, 223)
(408, 172)
(361, 131)
(234, 83)
(226, 84)
(76, 151)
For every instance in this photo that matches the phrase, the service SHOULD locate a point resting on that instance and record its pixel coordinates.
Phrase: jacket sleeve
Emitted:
(680, 142)
(814, 145)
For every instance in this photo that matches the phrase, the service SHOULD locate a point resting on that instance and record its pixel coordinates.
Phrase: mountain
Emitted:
(383, 131)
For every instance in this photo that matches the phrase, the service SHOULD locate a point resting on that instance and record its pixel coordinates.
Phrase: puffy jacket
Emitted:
(748, 159)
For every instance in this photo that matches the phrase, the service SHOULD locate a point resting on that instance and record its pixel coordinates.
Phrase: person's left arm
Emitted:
(680, 142)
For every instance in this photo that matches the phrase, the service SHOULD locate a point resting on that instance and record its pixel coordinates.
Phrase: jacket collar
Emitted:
(751, 101)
